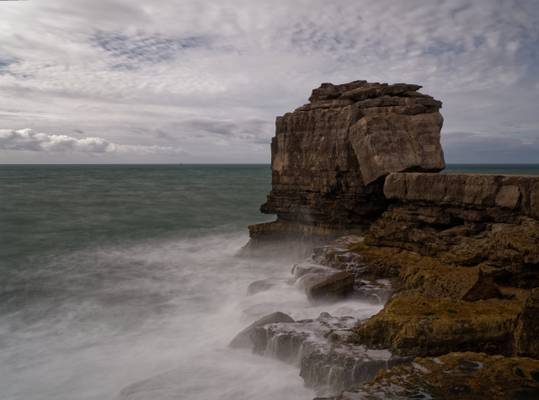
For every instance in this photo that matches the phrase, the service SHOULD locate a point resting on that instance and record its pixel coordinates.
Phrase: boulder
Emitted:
(243, 339)
(325, 286)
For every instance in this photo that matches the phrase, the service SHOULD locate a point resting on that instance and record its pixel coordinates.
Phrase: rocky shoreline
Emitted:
(454, 257)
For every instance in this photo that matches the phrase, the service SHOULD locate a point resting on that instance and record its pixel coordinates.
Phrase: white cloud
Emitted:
(28, 140)
(194, 69)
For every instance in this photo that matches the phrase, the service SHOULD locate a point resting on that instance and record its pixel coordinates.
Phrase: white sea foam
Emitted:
(153, 321)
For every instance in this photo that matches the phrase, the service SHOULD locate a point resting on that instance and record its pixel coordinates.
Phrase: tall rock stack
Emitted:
(330, 156)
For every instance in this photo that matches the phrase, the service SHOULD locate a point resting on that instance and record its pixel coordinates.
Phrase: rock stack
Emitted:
(329, 157)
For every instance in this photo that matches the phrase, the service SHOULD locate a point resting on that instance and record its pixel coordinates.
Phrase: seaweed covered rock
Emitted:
(464, 376)
(328, 156)
(412, 324)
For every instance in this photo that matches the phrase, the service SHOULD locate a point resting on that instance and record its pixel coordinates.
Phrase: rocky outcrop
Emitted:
(464, 376)
(327, 361)
(328, 156)
(341, 271)
(455, 255)
(473, 197)
(484, 221)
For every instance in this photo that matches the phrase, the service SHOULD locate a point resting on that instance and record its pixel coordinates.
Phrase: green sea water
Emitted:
(50, 209)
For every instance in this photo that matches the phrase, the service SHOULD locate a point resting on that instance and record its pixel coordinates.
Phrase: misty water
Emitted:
(123, 282)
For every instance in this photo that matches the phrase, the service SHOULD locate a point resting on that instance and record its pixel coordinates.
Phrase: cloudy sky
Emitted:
(202, 81)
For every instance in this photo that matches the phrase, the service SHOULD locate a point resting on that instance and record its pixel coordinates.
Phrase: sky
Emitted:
(194, 81)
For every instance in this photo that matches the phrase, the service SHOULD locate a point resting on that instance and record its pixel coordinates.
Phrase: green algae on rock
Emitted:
(463, 376)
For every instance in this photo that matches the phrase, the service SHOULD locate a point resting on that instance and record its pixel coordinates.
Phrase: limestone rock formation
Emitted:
(484, 221)
(328, 156)
(463, 251)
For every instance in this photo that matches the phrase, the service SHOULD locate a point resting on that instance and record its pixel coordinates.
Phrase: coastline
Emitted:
(457, 252)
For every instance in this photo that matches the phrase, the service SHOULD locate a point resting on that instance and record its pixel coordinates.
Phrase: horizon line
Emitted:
(216, 163)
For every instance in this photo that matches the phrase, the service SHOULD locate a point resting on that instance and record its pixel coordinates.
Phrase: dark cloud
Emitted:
(134, 50)
(462, 147)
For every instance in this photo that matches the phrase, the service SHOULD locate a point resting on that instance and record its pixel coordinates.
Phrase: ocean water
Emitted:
(503, 169)
(124, 282)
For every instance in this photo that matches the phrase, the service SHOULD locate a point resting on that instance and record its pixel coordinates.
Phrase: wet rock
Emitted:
(328, 287)
(465, 376)
(376, 291)
(260, 286)
(327, 361)
(301, 269)
(243, 339)
(326, 283)
(338, 254)
(412, 324)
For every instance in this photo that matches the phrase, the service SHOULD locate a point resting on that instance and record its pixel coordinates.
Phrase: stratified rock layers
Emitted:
(329, 155)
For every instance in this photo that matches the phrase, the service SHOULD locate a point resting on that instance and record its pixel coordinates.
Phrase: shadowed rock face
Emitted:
(328, 156)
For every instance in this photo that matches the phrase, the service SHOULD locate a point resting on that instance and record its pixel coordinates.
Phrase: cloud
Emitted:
(133, 51)
(211, 76)
(28, 140)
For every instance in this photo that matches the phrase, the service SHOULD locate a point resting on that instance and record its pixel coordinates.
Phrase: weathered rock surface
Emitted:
(332, 286)
(243, 339)
(464, 376)
(527, 328)
(497, 198)
(486, 221)
(412, 324)
(328, 155)
(327, 361)
(335, 271)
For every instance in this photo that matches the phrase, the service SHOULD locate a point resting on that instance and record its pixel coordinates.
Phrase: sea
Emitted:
(127, 282)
